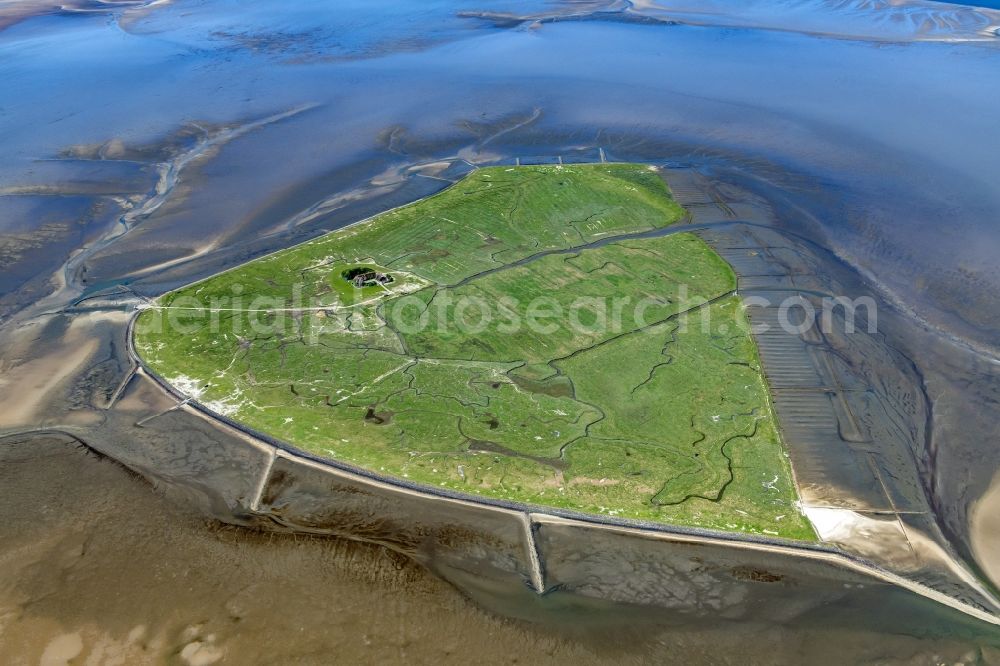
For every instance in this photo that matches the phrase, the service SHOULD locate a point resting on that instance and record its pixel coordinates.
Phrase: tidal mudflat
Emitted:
(95, 573)
(865, 169)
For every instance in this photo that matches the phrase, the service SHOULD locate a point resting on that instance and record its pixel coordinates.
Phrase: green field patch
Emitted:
(533, 334)
(561, 303)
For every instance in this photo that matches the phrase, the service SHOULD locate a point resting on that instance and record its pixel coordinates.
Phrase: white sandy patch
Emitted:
(984, 530)
(879, 537)
(843, 525)
(984, 521)
(62, 649)
(431, 167)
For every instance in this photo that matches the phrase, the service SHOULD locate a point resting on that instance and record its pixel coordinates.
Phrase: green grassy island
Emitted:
(537, 334)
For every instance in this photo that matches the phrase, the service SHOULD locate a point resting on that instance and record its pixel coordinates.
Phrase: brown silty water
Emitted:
(101, 567)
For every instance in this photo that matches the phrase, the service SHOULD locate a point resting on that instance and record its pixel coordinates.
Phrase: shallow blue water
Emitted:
(904, 132)
(992, 4)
